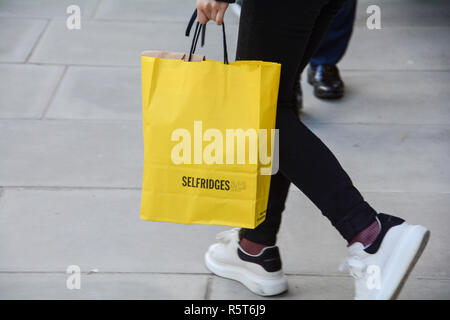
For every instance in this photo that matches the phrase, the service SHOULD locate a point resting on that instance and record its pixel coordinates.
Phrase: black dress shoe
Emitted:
(326, 81)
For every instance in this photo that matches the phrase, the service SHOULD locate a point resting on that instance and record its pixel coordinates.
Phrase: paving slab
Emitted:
(174, 286)
(403, 97)
(110, 154)
(398, 48)
(407, 12)
(98, 93)
(327, 288)
(426, 289)
(310, 245)
(299, 288)
(114, 93)
(124, 286)
(48, 230)
(18, 38)
(54, 9)
(26, 89)
(156, 10)
(393, 13)
(71, 153)
(391, 157)
(121, 43)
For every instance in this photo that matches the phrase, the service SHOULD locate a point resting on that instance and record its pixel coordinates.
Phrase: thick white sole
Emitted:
(256, 284)
(402, 261)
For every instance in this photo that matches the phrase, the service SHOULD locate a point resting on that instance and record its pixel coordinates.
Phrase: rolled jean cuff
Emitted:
(267, 238)
(355, 221)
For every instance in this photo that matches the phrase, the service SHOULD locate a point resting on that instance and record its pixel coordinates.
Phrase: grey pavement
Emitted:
(72, 153)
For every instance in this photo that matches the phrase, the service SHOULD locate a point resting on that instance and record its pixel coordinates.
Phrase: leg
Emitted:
(311, 166)
(289, 33)
(251, 44)
(320, 30)
(266, 232)
(323, 74)
(333, 46)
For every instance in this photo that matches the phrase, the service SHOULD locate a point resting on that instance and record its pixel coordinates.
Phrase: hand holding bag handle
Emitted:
(200, 28)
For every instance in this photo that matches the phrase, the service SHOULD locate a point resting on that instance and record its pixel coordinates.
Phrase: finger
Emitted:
(219, 16)
(213, 13)
(202, 17)
(207, 11)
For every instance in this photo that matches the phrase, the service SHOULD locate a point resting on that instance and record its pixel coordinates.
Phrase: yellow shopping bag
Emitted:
(203, 121)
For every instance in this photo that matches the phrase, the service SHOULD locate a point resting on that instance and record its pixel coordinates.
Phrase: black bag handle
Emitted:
(201, 29)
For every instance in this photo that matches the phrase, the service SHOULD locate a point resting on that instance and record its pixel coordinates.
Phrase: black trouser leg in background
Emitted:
(333, 46)
(289, 32)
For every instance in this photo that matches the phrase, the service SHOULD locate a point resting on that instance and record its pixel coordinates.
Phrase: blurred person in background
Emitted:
(323, 73)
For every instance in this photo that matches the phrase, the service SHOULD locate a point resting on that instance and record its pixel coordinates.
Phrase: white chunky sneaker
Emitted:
(261, 274)
(381, 269)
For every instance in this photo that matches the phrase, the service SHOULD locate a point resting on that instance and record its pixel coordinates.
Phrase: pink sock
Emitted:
(368, 235)
(251, 247)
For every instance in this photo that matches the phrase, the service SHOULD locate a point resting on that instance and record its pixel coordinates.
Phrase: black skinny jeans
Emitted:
(289, 32)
